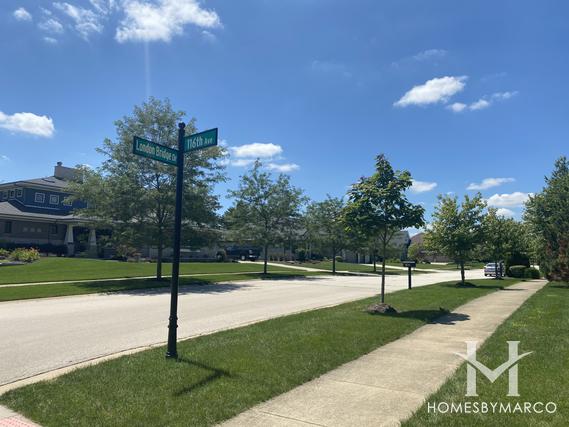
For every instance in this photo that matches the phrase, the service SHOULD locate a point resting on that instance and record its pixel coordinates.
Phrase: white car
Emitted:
(490, 269)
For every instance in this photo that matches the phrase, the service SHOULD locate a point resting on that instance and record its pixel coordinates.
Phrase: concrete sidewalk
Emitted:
(387, 385)
(9, 418)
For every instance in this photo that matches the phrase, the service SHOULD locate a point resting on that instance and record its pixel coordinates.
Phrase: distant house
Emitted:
(35, 212)
(430, 256)
(397, 248)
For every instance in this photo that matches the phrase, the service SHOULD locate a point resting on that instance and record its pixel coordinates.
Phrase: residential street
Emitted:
(46, 334)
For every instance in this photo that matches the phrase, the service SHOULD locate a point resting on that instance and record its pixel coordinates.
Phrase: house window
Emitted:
(39, 198)
(8, 227)
(12, 194)
(54, 199)
(53, 229)
(19, 192)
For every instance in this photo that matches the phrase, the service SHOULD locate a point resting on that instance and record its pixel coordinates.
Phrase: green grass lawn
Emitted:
(468, 266)
(220, 375)
(541, 326)
(68, 269)
(8, 293)
(347, 266)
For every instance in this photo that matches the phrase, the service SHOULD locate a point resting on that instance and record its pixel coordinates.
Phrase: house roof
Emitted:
(11, 211)
(48, 181)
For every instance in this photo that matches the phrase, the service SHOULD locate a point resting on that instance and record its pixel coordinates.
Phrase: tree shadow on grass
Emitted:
(440, 316)
(216, 373)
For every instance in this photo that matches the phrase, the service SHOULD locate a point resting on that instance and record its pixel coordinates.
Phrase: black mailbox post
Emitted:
(409, 265)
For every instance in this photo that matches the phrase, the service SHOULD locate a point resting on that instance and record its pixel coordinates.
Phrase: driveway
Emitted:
(42, 335)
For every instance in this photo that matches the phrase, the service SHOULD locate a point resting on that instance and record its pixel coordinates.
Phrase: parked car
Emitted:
(243, 253)
(490, 269)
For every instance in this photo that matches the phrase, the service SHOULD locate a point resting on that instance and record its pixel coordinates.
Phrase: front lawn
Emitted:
(68, 269)
(12, 293)
(220, 375)
(541, 326)
(348, 266)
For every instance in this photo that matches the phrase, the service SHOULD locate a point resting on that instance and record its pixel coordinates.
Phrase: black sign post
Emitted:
(161, 153)
(172, 351)
(409, 265)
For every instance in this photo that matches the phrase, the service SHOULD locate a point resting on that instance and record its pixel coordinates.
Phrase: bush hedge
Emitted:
(517, 271)
(46, 248)
(25, 255)
(532, 273)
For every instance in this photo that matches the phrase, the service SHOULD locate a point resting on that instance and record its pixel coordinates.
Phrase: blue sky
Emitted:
(456, 92)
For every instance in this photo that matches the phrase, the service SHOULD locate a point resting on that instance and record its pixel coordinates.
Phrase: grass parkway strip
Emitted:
(13, 293)
(541, 326)
(220, 375)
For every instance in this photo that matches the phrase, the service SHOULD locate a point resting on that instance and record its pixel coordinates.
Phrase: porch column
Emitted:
(69, 240)
(92, 243)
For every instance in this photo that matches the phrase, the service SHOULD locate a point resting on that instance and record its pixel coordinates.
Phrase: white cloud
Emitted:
(479, 105)
(430, 54)
(50, 40)
(489, 183)
(457, 107)
(433, 91)
(51, 25)
(4, 158)
(508, 213)
(86, 22)
(257, 150)
(27, 123)
(284, 167)
(515, 199)
(242, 162)
(422, 186)
(163, 19)
(208, 36)
(22, 14)
(502, 96)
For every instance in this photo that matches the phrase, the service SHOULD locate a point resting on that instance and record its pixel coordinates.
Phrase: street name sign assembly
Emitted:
(155, 151)
(200, 140)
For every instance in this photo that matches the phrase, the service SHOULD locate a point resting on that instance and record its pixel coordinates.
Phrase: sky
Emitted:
(467, 96)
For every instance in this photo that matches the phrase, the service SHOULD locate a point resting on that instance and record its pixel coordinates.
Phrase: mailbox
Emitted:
(409, 263)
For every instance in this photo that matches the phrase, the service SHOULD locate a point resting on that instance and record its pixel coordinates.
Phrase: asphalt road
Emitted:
(41, 335)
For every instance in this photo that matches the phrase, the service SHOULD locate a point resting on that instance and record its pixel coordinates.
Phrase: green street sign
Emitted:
(201, 140)
(154, 151)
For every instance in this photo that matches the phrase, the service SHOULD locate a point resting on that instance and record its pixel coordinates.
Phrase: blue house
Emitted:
(36, 212)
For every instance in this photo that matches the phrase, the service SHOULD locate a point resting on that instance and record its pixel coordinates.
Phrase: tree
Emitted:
(135, 196)
(547, 214)
(262, 208)
(456, 229)
(495, 244)
(378, 208)
(417, 252)
(324, 220)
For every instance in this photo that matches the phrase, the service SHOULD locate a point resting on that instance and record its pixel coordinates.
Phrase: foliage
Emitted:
(263, 209)
(531, 273)
(25, 255)
(325, 225)
(547, 214)
(417, 252)
(517, 258)
(517, 270)
(378, 208)
(135, 196)
(4, 253)
(457, 229)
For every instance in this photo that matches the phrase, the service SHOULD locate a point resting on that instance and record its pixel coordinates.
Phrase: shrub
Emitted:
(517, 271)
(25, 255)
(301, 255)
(4, 253)
(517, 259)
(531, 273)
(339, 258)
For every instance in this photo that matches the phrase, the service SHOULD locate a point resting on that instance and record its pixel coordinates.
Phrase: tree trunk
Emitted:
(383, 273)
(374, 262)
(333, 259)
(266, 259)
(462, 272)
(496, 269)
(159, 258)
